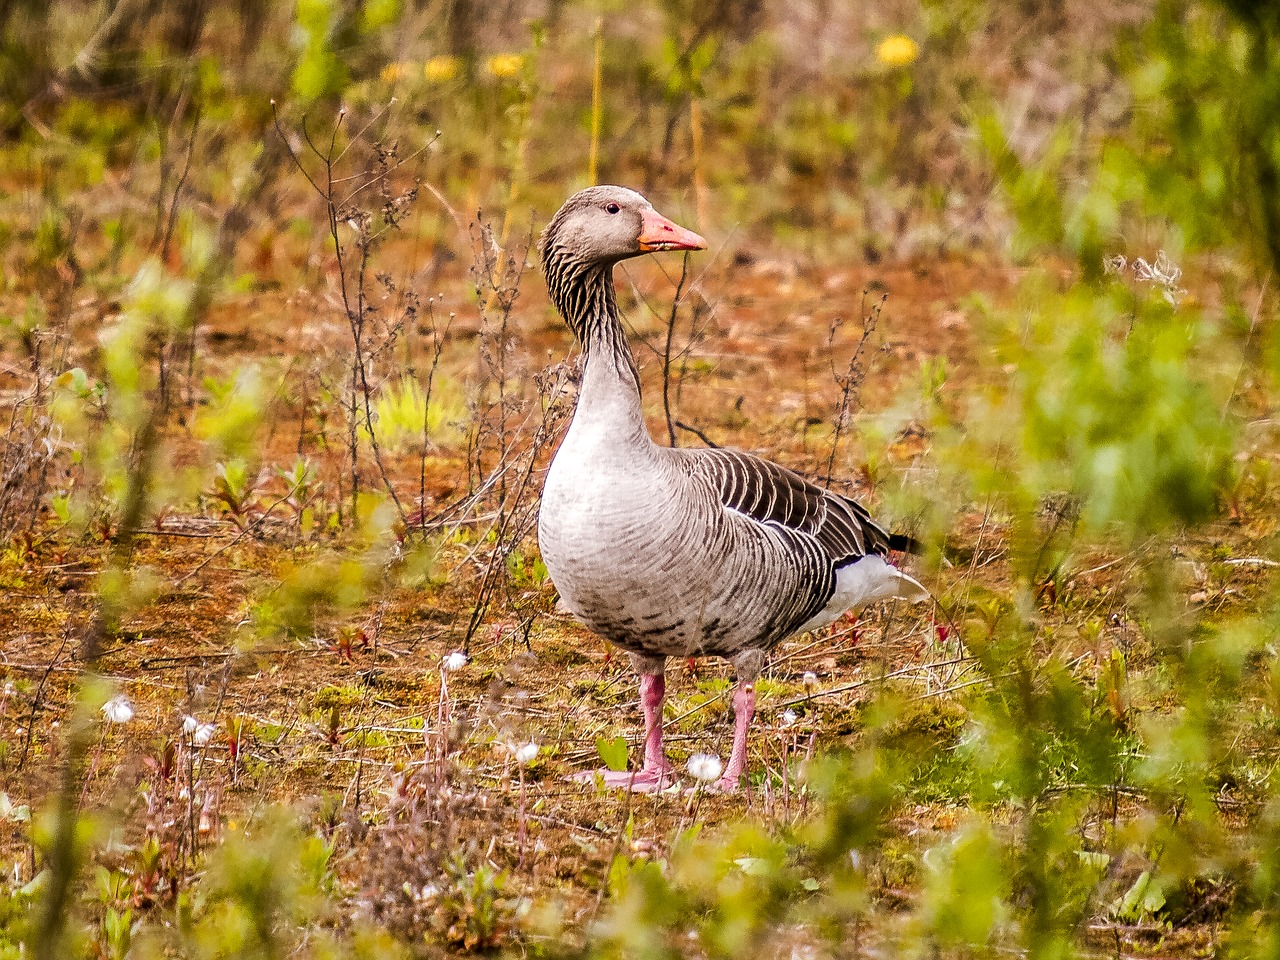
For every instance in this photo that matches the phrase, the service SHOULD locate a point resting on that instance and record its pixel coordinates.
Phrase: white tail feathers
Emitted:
(909, 588)
(866, 581)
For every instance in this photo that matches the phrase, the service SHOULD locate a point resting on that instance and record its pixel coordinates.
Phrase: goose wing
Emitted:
(770, 494)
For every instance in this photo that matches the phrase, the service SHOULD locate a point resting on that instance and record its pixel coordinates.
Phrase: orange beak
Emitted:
(659, 233)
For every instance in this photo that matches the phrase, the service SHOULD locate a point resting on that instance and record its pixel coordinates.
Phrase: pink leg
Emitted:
(652, 689)
(744, 708)
(657, 773)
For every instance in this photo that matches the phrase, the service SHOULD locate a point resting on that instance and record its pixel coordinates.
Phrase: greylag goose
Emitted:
(671, 552)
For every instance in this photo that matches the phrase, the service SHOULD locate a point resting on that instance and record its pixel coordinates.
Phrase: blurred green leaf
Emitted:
(613, 752)
(1142, 900)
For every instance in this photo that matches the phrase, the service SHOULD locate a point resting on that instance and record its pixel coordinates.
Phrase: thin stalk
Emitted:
(597, 85)
(64, 862)
(666, 352)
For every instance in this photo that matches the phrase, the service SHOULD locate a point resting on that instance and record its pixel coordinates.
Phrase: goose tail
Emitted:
(908, 587)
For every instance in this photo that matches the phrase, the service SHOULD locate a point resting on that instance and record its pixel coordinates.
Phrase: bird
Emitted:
(673, 551)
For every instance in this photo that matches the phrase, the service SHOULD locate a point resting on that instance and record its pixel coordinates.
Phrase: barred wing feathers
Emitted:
(772, 494)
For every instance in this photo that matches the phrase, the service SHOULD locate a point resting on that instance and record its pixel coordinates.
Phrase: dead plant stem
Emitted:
(666, 351)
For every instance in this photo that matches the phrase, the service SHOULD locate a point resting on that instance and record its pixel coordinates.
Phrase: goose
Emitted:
(675, 552)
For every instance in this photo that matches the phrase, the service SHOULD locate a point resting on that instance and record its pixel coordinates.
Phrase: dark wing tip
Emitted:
(905, 543)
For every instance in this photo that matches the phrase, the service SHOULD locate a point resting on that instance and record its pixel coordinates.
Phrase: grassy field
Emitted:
(282, 672)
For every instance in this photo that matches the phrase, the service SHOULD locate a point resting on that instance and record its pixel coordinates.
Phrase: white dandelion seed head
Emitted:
(455, 661)
(204, 734)
(810, 679)
(789, 717)
(705, 766)
(1164, 273)
(118, 709)
(525, 753)
(189, 725)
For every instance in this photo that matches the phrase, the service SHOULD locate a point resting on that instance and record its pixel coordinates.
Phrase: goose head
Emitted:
(606, 224)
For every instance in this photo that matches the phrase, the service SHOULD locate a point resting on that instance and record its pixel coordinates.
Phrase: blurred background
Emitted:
(838, 130)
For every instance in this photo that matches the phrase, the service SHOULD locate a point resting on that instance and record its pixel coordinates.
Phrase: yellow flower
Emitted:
(395, 72)
(505, 66)
(897, 50)
(441, 69)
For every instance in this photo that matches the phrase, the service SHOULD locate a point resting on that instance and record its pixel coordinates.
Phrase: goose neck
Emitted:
(585, 296)
(609, 397)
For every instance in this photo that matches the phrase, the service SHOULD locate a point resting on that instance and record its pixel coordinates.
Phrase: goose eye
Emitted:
(611, 208)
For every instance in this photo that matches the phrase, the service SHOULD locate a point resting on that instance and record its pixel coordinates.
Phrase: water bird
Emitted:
(676, 552)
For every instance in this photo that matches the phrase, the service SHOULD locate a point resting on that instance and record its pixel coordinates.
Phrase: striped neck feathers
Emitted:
(585, 296)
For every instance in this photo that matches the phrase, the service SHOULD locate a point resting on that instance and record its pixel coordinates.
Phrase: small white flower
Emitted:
(118, 709)
(789, 717)
(810, 680)
(526, 753)
(204, 734)
(189, 724)
(705, 767)
(455, 661)
(1164, 273)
